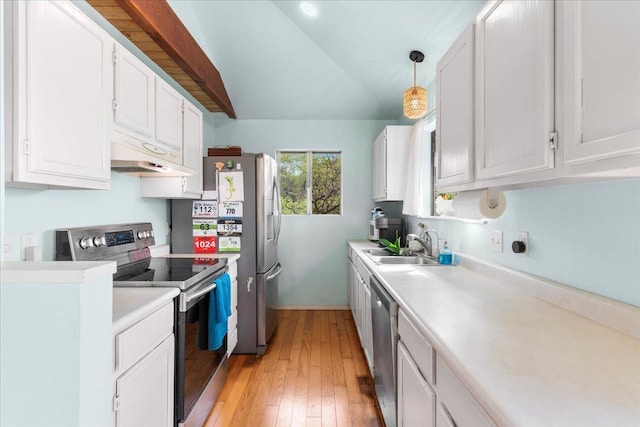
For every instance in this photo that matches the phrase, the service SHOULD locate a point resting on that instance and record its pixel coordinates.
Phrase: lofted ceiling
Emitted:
(349, 62)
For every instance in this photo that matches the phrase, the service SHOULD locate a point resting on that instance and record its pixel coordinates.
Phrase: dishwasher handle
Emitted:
(383, 297)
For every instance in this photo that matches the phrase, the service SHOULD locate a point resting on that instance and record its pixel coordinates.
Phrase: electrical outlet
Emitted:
(523, 236)
(27, 240)
(496, 241)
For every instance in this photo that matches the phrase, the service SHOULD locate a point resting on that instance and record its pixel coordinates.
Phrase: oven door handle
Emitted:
(187, 298)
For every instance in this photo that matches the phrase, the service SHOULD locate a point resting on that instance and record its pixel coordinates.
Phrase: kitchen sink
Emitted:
(382, 256)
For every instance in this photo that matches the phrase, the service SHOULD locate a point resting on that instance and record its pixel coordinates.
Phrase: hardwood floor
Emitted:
(313, 374)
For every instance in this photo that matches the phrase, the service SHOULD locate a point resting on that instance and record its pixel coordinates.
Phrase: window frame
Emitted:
(308, 188)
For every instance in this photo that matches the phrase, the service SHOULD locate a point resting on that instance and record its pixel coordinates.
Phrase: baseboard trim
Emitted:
(312, 307)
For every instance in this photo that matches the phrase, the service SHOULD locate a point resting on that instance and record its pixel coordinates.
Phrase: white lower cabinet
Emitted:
(145, 392)
(416, 399)
(455, 404)
(428, 392)
(144, 371)
(360, 304)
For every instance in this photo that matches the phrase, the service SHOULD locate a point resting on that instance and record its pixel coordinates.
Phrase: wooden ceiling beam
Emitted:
(169, 35)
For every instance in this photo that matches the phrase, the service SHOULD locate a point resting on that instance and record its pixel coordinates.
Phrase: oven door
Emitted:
(195, 364)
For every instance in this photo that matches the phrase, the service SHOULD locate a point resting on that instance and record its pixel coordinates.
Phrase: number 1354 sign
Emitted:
(230, 210)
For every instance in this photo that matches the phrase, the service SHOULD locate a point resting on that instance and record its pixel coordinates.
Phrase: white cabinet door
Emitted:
(602, 79)
(455, 112)
(416, 399)
(379, 167)
(514, 88)
(389, 163)
(168, 115)
(367, 327)
(144, 394)
(134, 94)
(353, 291)
(62, 96)
(192, 147)
(189, 187)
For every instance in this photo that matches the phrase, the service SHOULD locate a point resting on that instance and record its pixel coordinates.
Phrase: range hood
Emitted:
(133, 156)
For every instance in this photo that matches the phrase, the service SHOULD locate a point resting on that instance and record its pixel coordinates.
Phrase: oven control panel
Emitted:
(103, 242)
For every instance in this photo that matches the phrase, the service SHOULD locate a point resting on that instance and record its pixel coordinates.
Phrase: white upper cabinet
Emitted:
(193, 147)
(601, 80)
(133, 106)
(169, 105)
(389, 163)
(62, 84)
(182, 187)
(514, 88)
(455, 112)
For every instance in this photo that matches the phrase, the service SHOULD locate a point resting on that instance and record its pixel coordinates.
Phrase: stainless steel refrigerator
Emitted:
(258, 267)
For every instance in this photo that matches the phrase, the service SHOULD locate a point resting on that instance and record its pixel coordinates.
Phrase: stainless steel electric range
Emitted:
(129, 245)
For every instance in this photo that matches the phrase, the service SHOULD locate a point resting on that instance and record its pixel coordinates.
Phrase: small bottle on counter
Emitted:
(445, 255)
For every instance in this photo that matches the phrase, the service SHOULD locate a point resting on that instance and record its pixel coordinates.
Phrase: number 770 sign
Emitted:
(230, 210)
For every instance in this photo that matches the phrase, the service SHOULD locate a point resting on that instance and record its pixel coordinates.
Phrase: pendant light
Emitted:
(414, 104)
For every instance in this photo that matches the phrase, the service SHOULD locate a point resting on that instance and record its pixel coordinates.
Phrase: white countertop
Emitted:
(528, 362)
(132, 304)
(55, 271)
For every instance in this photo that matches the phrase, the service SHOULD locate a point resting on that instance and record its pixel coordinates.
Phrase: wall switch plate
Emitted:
(27, 240)
(496, 241)
(9, 247)
(523, 236)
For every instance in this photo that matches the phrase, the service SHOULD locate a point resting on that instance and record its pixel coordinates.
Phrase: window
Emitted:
(310, 182)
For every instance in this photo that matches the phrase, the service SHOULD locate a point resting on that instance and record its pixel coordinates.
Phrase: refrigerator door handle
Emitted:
(278, 212)
(275, 273)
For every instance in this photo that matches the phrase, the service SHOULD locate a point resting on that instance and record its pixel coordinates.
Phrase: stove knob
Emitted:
(86, 242)
(150, 233)
(140, 234)
(99, 241)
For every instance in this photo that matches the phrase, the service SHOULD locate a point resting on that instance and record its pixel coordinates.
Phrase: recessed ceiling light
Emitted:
(309, 9)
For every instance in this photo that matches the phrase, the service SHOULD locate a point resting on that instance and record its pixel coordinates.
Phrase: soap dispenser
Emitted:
(445, 255)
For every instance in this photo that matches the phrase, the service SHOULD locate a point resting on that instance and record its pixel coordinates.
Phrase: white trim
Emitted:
(313, 307)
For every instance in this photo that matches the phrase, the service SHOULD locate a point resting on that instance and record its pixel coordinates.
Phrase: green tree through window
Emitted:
(310, 182)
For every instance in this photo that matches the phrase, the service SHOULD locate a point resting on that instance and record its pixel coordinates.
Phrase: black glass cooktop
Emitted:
(167, 272)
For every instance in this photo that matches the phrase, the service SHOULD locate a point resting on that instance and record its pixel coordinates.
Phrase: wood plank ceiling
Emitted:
(156, 30)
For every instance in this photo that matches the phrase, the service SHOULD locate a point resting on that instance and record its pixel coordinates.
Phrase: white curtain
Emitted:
(413, 193)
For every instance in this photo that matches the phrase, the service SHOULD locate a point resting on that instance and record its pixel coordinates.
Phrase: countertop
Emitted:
(527, 362)
(49, 272)
(132, 304)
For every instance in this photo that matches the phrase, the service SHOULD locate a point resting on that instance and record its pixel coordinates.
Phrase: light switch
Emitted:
(496, 241)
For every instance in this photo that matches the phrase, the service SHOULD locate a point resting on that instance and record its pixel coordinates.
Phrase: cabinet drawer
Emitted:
(420, 349)
(143, 337)
(232, 321)
(456, 404)
(363, 271)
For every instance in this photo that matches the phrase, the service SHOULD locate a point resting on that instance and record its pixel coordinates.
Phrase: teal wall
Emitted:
(586, 236)
(43, 211)
(313, 249)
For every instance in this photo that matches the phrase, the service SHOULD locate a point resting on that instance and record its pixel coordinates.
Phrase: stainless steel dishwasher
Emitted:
(384, 315)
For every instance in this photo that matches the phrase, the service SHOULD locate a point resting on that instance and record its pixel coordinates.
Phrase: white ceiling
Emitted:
(350, 62)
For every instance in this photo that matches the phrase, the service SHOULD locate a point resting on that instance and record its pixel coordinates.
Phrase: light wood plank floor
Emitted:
(313, 374)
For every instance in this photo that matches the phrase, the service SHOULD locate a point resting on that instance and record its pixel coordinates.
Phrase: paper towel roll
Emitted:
(492, 203)
(476, 204)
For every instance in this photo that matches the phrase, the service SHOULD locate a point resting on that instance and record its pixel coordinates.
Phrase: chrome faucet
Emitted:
(427, 243)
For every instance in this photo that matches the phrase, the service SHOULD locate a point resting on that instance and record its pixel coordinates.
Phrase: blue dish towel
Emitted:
(219, 311)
